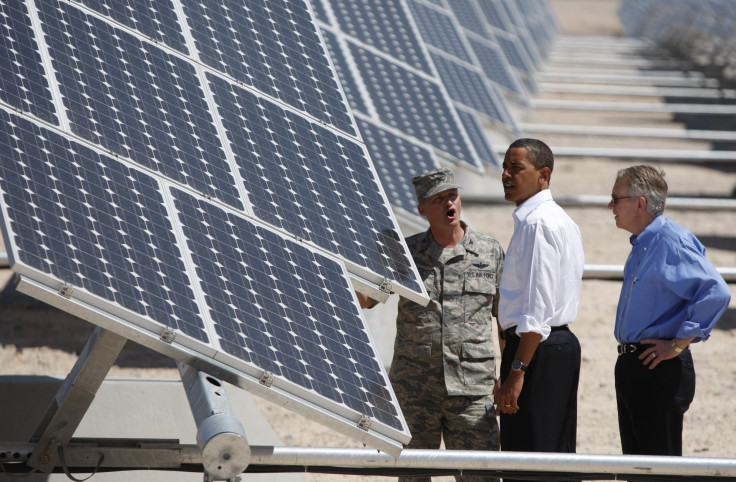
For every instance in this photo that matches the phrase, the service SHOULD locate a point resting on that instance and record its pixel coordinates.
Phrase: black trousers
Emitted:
(548, 403)
(652, 403)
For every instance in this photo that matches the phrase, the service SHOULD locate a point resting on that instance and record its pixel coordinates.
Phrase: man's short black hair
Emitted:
(537, 151)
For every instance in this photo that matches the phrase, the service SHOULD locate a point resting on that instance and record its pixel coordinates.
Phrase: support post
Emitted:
(74, 397)
(220, 435)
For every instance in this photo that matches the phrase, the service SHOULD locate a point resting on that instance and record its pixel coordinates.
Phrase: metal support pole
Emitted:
(74, 398)
(220, 435)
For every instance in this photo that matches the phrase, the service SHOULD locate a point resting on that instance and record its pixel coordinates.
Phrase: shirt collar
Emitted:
(525, 208)
(435, 250)
(646, 236)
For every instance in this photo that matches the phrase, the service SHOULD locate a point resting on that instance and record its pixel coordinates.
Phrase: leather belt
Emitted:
(511, 331)
(627, 348)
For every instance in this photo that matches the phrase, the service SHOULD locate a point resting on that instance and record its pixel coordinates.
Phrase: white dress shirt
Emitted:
(542, 274)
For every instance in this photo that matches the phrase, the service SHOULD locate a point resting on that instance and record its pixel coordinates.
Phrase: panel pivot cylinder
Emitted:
(220, 435)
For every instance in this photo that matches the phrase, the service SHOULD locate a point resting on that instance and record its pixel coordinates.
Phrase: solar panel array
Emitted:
(408, 69)
(188, 173)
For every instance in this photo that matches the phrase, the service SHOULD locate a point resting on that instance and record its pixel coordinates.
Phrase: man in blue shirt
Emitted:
(671, 296)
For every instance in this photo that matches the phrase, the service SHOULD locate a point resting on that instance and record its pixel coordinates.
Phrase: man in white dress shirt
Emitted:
(539, 294)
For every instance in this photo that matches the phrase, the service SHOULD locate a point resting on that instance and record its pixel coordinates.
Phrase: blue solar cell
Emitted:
(438, 30)
(284, 308)
(349, 86)
(468, 16)
(495, 15)
(23, 83)
(478, 138)
(137, 101)
(495, 66)
(155, 19)
(302, 177)
(396, 160)
(384, 24)
(513, 52)
(468, 87)
(411, 103)
(90, 221)
(273, 47)
(319, 11)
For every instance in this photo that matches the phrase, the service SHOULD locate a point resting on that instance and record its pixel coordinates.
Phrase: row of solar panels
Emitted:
(701, 31)
(197, 175)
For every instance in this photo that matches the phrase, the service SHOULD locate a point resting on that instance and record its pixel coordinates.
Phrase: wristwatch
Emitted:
(518, 366)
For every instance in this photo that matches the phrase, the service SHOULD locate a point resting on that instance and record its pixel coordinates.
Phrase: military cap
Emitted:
(433, 182)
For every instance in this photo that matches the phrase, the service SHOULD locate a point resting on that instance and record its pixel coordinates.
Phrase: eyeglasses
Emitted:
(615, 200)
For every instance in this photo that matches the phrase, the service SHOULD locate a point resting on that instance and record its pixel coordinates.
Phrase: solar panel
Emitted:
(460, 71)
(390, 77)
(274, 47)
(412, 103)
(156, 19)
(439, 31)
(475, 129)
(467, 86)
(496, 67)
(345, 73)
(384, 25)
(194, 172)
(468, 17)
(23, 83)
(397, 160)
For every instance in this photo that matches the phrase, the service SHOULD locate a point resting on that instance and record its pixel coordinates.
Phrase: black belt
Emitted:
(627, 348)
(511, 331)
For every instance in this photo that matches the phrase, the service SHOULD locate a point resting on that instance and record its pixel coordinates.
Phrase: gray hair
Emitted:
(649, 183)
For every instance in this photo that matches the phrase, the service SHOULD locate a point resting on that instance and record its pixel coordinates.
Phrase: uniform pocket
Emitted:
(478, 362)
(480, 281)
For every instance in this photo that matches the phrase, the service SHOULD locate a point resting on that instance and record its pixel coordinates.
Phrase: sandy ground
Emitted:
(710, 426)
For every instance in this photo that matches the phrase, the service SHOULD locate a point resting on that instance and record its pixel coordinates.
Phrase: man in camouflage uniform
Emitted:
(443, 370)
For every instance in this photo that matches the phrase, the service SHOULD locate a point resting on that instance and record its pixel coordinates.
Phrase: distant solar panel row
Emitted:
(194, 165)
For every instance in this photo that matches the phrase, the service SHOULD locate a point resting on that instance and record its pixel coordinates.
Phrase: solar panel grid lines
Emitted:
(130, 103)
(136, 100)
(397, 159)
(92, 222)
(30, 89)
(111, 250)
(484, 46)
(459, 69)
(521, 30)
(294, 315)
(497, 68)
(476, 130)
(386, 26)
(275, 50)
(439, 30)
(297, 172)
(411, 100)
(413, 103)
(467, 86)
(213, 123)
(352, 84)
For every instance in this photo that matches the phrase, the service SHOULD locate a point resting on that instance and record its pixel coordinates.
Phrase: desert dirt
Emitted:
(35, 340)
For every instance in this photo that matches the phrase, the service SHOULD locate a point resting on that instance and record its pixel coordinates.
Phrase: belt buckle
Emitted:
(626, 348)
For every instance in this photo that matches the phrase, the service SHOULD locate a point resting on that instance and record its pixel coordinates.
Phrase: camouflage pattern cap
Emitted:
(433, 182)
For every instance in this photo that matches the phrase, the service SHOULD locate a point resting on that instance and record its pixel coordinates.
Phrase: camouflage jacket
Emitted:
(456, 324)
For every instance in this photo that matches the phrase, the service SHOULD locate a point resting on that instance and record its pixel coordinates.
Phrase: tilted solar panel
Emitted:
(390, 77)
(384, 25)
(397, 160)
(412, 103)
(199, 187)
(475, 129)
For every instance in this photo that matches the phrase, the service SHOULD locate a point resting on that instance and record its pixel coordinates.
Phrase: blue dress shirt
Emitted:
(670, 289)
